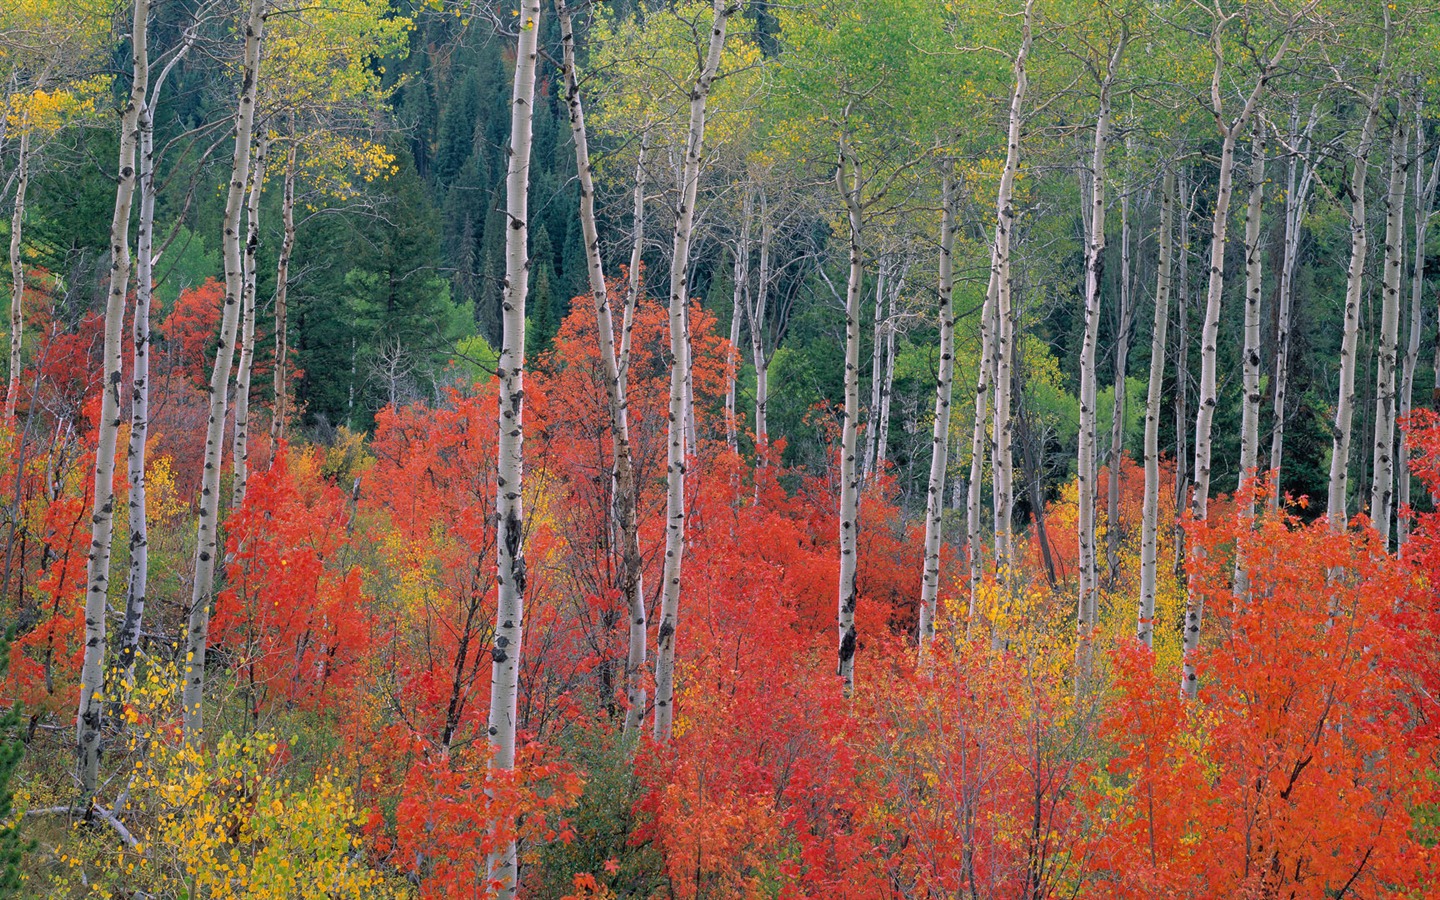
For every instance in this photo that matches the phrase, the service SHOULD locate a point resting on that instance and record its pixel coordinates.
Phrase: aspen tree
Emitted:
(97, 591)
(1150, 512)
(877, 372)
(280, 375)
(1117, 405)
(1182, 367)
(138, 582)
(240, 439)
(1210, 333)
(984, 378)
(680, 376)
(1424, 209)
(1250, 359)
(1086, 475)
(940, 435)
(757, 314)
(1382, 483)
(1297, 192)
(207, 541)
(510, 456)
(1354, 288)
(742, 286)
(1001, 466)
(887, 382)
(17, 271)
(849, 182)
(625, 499)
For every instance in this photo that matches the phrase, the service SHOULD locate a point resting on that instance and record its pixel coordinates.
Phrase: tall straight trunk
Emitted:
(503, 864)
(848, 181)
(207, 540)
(1424, 207)
(1182, 371)
(1382, 476)
(757, 313)
(282, 290)
(1210, 333)
(1354, 289)
(1117, 406)
(1087, 605)
(1002, 427)
(637, 251)
(984, 379)
(1297, 191)
(887, 385)
(1250, 360)
(17, 272)
(625, 492)
(742, 283)
(92, 679)
(1150, 512)
(680, 378)
(940, 435)
(877, 371)
(240, 440)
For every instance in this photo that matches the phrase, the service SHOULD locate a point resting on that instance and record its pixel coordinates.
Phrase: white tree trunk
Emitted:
(1424, 208)
(1182, 369)
(940, 435)
(1354, 289)
(92, 678)
(848, 181)
(1297, 191)
(1087, 483)
(17, 272)
(282, 316)
(1382, 482)
(1250, 361)
(207, 541)
(1117, 407)
(757, 314)
(625, 499)
(887, 383)
(680, 379)
(979, 430)
(240, 446)
(877, 372)
(742, 285)
(510, 473)
(1150, 513)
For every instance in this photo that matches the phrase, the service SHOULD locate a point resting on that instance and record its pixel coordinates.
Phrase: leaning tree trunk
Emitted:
(1087, 605)
(626, 494)
(240, 447)
(679, 380)
(207, 541)
(1250, 363)
(1354, 288)
(503, 863)
(282, 289)
(1382, 483)
(1424, 203)
(92, 679)
(940, 436)
(17, 272)
(1297, 190)
(1150, 513)
(848, 181)
(1002, 428)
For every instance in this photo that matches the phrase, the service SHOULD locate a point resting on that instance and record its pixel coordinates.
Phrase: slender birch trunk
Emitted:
(92, 680)
(1210, 334)
(282, 312)
(637, 251)
(1297, 191)
(1354, 288)
(1382, 483)
(207, 542)
(680, 379)
(1424, 208)
(985, 376)
(240, 446)
(1087, 606)
(510, 576)
(940, 436)
(757, 313)
(1117, 406)
(1150, 513)
(1182, 372)
(17, 271)
(1250, 362)
(877, 372)
(887, 385)
(742, 283)
(848, 181)
(625, 493)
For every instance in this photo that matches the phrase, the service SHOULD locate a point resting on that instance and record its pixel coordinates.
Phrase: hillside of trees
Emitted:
(895, 449)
